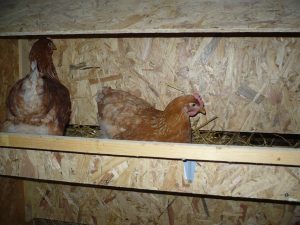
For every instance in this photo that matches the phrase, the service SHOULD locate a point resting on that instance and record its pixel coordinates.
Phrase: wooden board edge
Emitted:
(217, 153)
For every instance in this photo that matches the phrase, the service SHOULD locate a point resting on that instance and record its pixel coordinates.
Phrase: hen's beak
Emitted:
(202, 111)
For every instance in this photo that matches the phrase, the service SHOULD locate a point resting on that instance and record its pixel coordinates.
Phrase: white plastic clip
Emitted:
(189, 168)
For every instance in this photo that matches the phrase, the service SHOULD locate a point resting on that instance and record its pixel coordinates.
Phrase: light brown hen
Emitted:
(125, 116)
(38, 103)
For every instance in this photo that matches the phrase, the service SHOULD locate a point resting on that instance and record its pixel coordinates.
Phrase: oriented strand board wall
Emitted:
(250, 83)
(131, 16)
(9, 70)
(103, 206)
(221, 179)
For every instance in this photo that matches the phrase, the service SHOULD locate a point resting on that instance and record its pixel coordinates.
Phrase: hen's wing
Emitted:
(60, 104)
(119, 111)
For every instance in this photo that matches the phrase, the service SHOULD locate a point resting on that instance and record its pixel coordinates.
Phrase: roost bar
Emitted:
(241, 55)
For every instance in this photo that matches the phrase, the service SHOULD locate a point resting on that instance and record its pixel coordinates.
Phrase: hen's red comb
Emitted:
(199, 98)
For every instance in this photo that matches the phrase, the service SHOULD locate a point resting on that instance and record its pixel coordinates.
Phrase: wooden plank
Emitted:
(241, 154)
(9, 71)
(24, 67)
(129, 16)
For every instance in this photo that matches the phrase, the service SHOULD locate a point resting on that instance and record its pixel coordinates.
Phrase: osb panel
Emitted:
(250, 83)
(147, 16)
(222, 179)
(9, 70)
(102, 206)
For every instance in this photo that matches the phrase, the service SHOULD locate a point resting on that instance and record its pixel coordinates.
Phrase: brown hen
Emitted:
(125, 116)
(39, 103)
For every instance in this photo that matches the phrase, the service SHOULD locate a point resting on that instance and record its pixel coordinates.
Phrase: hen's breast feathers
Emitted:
(25, 98)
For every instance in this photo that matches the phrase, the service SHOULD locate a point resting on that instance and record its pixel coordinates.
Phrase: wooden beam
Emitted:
(218, 153)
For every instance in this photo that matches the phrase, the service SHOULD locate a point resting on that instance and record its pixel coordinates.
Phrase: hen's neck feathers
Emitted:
(177, 105)
(43, 56)
(175, 114)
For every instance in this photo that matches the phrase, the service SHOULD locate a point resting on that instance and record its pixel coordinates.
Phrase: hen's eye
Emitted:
(193, 104)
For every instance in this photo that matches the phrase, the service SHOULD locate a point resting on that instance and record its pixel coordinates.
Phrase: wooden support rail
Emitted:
(222, 153)
(19, 18)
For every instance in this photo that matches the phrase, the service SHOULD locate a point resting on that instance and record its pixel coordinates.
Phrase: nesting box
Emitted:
(241, 56)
